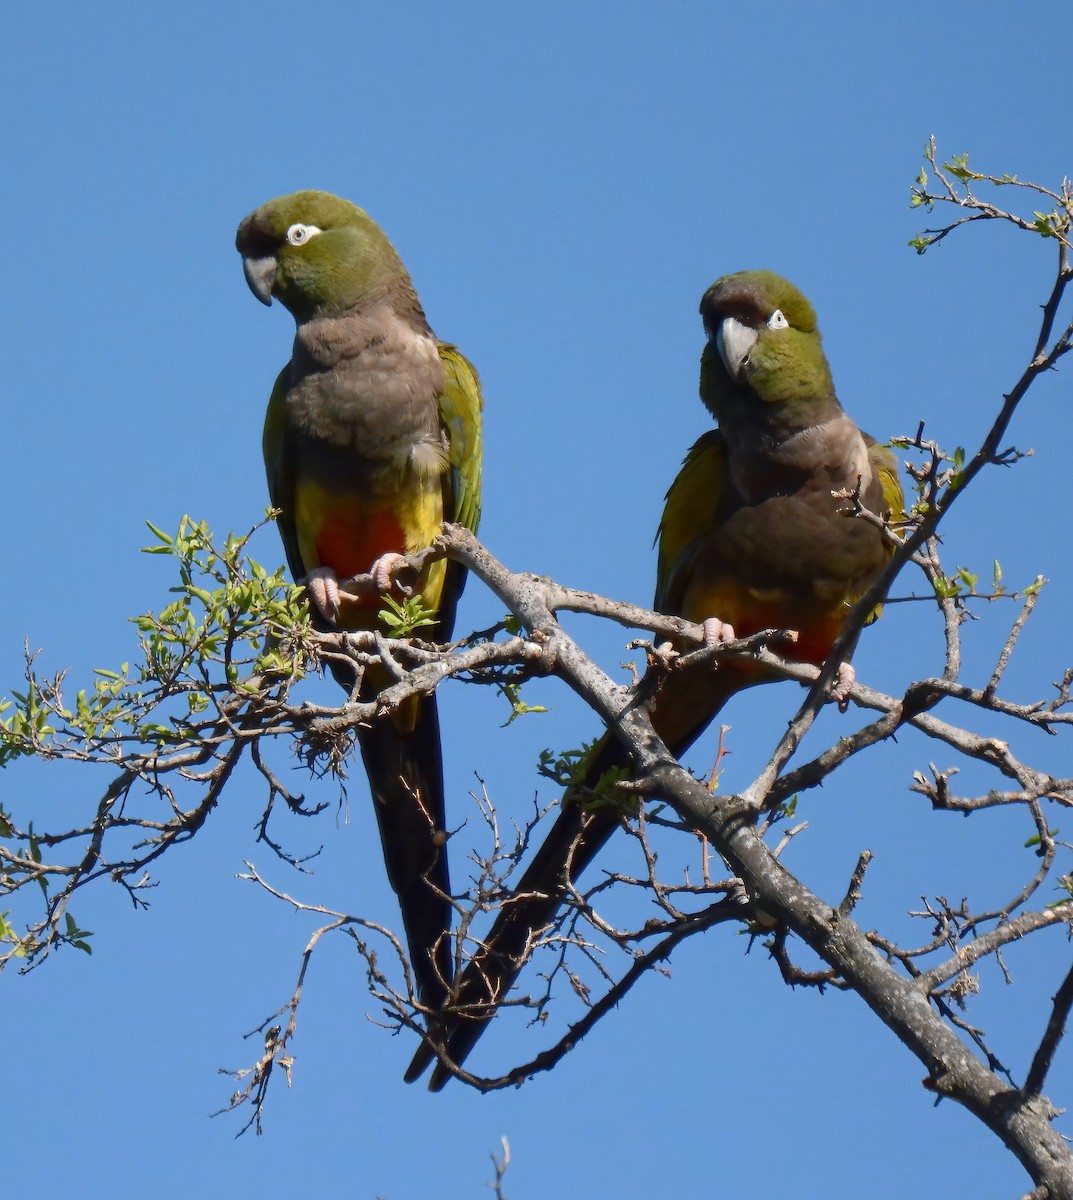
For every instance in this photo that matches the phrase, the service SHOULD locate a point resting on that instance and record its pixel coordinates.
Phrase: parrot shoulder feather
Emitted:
(692, 504)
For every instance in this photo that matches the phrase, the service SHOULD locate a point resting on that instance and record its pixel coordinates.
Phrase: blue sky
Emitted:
(563, 183)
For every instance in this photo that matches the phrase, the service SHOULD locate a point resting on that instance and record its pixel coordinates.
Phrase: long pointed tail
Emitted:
(572, 843)
(405, 772)
(574, 840)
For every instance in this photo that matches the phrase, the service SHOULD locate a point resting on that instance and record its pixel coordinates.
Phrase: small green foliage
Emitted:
(1047, 224)
(28, 725)
(606, 793)
(231, 641)
(34, 847)
(568, 769)
(1065, 884)
(959, 168)
(26, 945)
(232, 625)
(947, 588)
(518, 707)
(785, 810)
(962, 583)
(955, 477)
(957, 184)
(76, 937)
(1036, 840)
(405, 619)
(241, 623)
(9, 935)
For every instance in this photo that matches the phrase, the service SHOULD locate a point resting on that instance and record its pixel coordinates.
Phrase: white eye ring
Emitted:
(777, 320)
(298, 235)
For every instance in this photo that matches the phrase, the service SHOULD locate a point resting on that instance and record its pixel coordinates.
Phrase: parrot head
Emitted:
(762, 339)
(318, 254)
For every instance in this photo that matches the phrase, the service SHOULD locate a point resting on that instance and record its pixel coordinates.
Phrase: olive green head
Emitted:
(762, 338)
(318, 254)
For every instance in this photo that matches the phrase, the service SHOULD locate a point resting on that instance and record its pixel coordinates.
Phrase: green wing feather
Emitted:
(279, 468)
(885, 466)
(461, 406)
(692, 507)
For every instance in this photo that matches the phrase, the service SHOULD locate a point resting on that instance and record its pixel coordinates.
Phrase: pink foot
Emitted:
(717, 633)
(383, 569)
(323, 589)
(844, 681)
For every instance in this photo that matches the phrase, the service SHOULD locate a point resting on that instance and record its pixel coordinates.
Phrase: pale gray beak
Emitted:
(260, 275)
(733, 340)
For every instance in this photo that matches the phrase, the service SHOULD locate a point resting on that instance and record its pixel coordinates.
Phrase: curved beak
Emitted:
(734, 341)
(260, 275)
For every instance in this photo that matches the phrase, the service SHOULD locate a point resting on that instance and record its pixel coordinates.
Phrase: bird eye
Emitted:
(298, 235)
(777, 320)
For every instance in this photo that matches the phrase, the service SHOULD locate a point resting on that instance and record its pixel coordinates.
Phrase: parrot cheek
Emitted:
(261, 276)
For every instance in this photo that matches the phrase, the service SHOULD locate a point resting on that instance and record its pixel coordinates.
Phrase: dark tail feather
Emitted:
(406, 780)
(575, 839)
(572, 843)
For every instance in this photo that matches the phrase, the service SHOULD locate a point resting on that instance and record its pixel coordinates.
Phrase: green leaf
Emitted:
(959, 168)
(164, 537)
(402, 620)
(76, 937)
(512, 692)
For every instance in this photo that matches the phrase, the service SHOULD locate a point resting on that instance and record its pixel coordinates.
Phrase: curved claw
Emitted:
(323, 589)
(717, 633)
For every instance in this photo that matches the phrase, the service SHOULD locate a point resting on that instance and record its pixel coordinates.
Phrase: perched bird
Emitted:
(751, 539)
(371, 441)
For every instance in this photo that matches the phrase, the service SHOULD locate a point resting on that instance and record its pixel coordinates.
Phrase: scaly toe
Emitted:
(323, 589)
(843, 685)
(717, 633)
(383, 569)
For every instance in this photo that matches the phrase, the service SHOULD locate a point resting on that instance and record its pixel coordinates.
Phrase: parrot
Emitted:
(372, 440)
(751, 538)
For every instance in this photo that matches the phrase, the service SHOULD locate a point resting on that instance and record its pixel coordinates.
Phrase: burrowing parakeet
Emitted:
(371, 441)
(752, 538)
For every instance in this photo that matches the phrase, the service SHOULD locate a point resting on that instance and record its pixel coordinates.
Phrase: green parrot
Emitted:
(371, 441)
(751, 539)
